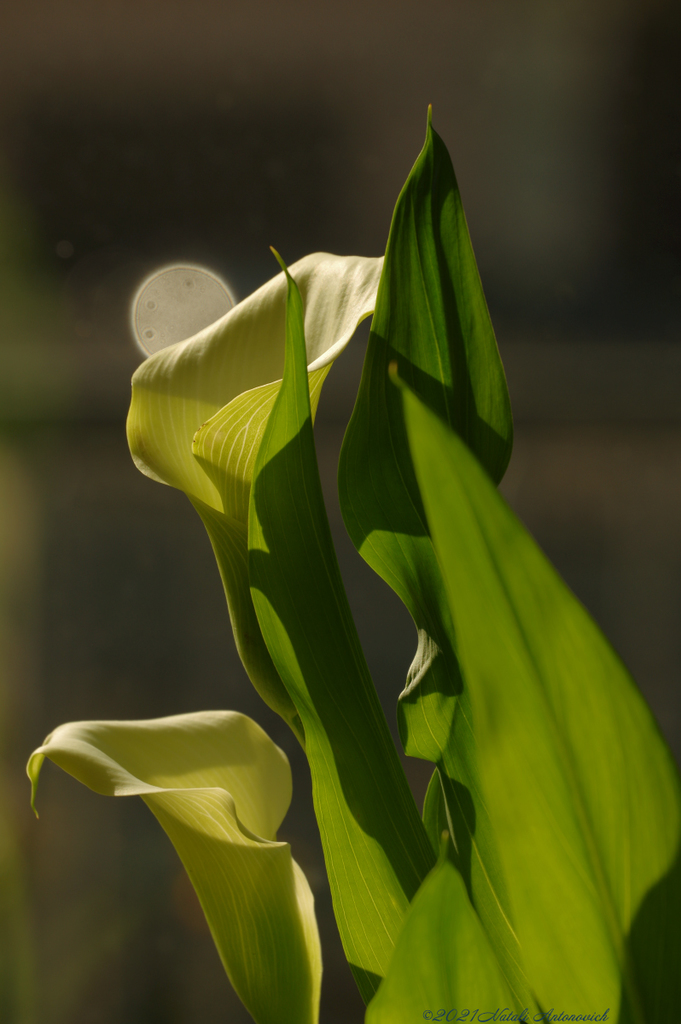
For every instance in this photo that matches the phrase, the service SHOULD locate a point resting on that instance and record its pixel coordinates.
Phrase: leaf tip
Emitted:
(279, 260)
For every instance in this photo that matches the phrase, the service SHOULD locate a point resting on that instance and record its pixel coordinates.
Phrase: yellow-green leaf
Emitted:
(444, 967)
(579, 786)
(220, 789)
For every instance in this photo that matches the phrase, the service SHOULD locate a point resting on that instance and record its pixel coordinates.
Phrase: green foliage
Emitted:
(432, 319)
(375, 846)
(561, 883)
(443, 957)
(580, 787)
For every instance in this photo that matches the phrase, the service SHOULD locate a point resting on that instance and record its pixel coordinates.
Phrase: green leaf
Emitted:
(376, 849)
(579, 784)
(199, 409)
(443, 960)
(435, 819)
(432, 319)
(220, 789)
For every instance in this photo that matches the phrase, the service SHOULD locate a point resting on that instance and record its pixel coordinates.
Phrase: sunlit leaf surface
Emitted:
(220, 788)
(579, 785)
(375, 846)
(443, 960)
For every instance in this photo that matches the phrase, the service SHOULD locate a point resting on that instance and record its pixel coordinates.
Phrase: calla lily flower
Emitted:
(199, 410)
(220, 788)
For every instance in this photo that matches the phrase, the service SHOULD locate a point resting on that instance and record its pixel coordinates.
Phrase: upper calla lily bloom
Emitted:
(220, 788)
(199, 409)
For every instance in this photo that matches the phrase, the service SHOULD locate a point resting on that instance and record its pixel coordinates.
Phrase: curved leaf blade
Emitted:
(374, 843)
(219, 788)
(580, 786)
(432, 319)
(443, 959)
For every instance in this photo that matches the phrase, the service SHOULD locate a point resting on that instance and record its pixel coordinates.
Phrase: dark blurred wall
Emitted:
(136, 134)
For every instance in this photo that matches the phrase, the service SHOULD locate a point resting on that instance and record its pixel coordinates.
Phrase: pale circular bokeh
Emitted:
(176, 302)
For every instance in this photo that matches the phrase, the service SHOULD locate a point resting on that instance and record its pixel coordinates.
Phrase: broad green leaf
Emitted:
(220, 789)
(580, 786)
(431, 318)
(375, 847)
(443, 960)
(199, 409)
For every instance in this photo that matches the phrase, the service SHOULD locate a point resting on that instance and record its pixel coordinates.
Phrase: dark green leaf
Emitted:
(431, 318)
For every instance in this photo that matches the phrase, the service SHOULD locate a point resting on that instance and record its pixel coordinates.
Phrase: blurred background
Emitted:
(133, 134)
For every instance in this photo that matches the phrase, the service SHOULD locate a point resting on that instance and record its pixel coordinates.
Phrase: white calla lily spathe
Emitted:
(179, 389)
(220, 788)
(199, 409)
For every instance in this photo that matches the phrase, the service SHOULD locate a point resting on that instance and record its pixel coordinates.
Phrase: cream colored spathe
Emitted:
(199, 409)
(220, 789)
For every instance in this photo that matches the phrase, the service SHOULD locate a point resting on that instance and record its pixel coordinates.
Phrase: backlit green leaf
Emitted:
(431, 318)
(220, 788)
(435, 819)
(199, 409)
(443, 960)
(375, 846)
(579, 785)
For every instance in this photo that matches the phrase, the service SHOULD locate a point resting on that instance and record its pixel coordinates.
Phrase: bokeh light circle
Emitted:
(175, 303)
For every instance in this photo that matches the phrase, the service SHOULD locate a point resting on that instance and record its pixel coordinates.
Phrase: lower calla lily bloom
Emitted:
(199, 410)
(220, 789)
